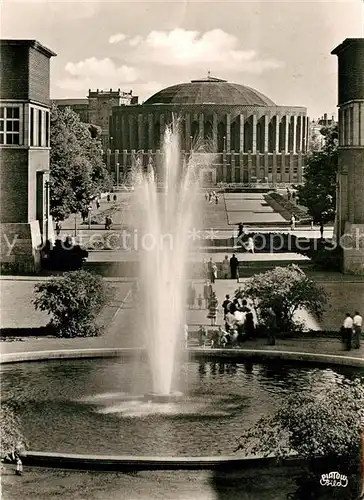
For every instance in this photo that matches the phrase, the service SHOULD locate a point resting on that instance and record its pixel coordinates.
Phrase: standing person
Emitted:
(199, 301)
(213, 303)
(216, 199)
(347, 331)
(293, 222)
(206, 196)
(240, 229)
(115, 198)
(288, 194)
(210, 196)
(234, 264)
(97, 203)
(108, 198)
(357, 324)
(58, 228)
(225, 266)
(207, 291)
(226, 305)
(202, 335)
(322, 230)
(19, 466)
(211, 267)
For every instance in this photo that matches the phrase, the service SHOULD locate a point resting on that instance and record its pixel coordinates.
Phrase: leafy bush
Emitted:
(11, 438)
(313, 425)
(285, 290)
(74, 302)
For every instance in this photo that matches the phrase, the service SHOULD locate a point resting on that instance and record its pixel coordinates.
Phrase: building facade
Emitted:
(248, 137)
(350, 188)
(24, 151)
(97, 109)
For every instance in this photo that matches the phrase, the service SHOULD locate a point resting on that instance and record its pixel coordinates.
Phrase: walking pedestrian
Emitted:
(347, 331)
(58, 228)
(250, 245)
(225, 267)
(234, 264)
(271, 325)
(19, 466)
(212, 270)
(357, 324)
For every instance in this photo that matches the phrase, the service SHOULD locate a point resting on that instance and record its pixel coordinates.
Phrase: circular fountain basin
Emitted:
(95, 406)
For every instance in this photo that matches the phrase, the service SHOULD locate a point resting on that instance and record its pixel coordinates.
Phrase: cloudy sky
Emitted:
(280, 48)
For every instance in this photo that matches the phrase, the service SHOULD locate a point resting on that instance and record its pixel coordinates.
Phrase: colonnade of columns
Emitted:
(217, 132)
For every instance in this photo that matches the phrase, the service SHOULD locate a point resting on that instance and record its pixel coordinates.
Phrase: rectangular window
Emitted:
(32, 126)
(9, 125)
(40, 125)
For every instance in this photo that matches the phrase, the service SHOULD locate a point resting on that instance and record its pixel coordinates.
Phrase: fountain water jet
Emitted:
(165, 221)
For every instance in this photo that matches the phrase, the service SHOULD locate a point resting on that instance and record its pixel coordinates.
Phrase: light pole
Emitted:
(191, 138)
(224, 143)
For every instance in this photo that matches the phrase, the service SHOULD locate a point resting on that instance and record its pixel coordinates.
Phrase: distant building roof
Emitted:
(69, 102)
(210, 90)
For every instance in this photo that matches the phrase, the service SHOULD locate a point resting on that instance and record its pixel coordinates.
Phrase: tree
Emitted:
(77, 170)
(73, 301)
(318, 193)
(325, 425)
(11, 439)
(285, 290)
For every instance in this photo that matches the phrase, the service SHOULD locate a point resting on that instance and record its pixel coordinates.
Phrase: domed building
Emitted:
(250, 138)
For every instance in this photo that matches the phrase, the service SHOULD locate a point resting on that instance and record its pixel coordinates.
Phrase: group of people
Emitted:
(351, 330)
(229, 269)
(115, 198)
(212, 196)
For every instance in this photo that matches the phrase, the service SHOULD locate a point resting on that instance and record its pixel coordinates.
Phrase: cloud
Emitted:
(99, 73)
(214, 49)
(118, 37)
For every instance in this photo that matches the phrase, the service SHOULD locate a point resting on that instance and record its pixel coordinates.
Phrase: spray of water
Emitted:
(167, 204)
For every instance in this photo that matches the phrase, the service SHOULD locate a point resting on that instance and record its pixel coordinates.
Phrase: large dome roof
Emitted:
(210, 91)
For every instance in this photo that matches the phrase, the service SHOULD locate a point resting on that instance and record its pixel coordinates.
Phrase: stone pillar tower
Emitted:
(350, 219)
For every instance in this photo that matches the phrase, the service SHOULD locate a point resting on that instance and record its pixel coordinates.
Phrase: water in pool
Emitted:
(92, 406)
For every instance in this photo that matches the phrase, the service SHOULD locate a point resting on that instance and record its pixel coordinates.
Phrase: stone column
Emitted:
(188, 131)
(294, 134)
(232, 156)
(276, 133)
(286, 133)
(151, 144)
(242, 122)
(266, 133)
(356, 123)
(161, 129)
(299, 167)
(214, 131)
(291, 166)
(224, 167)
(140, 144)
(241, 167)
(228, 123)
(249, 165)
(201, 131)
(274, 168)
(254, 134)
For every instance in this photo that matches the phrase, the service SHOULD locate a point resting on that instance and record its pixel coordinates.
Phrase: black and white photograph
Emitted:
(182, 250)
